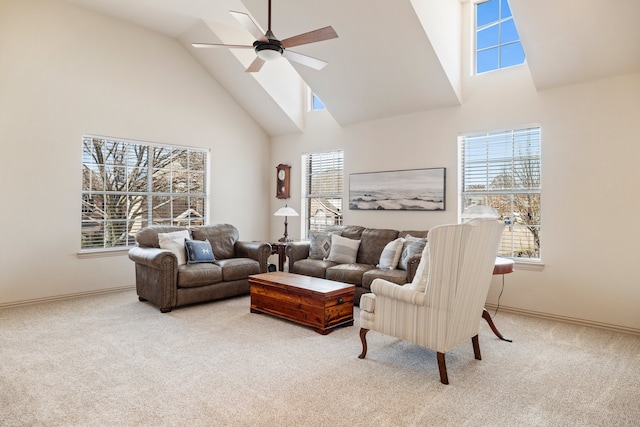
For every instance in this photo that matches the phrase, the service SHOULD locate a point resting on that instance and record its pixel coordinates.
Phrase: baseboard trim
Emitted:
(66, 296)
(566, 319)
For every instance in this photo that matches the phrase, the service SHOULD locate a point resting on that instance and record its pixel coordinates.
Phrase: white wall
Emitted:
(66, 71)
(590, 153)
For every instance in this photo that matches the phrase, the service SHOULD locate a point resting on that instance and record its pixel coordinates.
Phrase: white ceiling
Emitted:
(391, 57)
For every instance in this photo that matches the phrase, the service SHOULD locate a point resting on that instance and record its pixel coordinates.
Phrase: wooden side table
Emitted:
(278, 248)
(503, 266)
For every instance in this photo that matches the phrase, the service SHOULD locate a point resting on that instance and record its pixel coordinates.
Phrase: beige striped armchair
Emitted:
(443, 305)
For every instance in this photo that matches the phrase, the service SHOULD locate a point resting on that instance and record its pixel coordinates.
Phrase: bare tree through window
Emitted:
(127, 185)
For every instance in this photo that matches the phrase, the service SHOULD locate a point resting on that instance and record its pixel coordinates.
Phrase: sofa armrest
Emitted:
(156, 276)
(152, 257)
(260, 251)
(412, 266)
(384, 289)
(296, 251)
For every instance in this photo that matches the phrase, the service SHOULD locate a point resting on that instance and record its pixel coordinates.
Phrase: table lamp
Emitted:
(286, 211)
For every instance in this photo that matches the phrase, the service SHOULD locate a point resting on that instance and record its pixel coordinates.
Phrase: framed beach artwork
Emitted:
(404, 190)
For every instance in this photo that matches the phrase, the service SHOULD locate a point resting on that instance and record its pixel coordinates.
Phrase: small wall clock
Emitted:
(283, 175)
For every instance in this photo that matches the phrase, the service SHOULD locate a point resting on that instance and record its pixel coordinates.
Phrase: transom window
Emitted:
(502, 170)
(127, 185)
(497, 41)
(322, 190)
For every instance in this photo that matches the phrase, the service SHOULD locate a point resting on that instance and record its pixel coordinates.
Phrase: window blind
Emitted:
(502, 170)
(323, 189)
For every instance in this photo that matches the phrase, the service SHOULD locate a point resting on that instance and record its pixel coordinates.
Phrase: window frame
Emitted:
(326, 160)
(500, 44)
(510, 181)
(175, 177)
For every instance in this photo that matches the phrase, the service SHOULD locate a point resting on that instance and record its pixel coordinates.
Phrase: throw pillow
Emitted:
(321, 244)
(343, 250)
(419, 282)
(198, 251)
(175, 243)
(391, 254)
(412, 246)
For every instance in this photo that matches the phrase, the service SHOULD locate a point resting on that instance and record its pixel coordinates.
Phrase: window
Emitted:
(497, 40)
(316, 104)
(323, 184)
(502, 170)
(127, 185)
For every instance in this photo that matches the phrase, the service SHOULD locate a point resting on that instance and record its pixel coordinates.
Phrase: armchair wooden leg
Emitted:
(363, 338)
(476, 347)
(442, 367)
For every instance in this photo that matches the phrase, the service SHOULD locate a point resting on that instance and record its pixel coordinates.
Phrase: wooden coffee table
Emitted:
(322, 304)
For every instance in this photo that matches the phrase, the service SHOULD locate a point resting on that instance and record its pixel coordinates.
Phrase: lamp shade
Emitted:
(286, 211)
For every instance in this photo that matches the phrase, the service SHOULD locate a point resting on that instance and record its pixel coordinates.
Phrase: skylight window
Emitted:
(497, 40)
(316, 104)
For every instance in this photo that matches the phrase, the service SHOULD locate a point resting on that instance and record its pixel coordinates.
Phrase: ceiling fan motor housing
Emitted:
(268, 50)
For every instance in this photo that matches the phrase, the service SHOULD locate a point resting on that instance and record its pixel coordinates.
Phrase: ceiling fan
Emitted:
(268, 48)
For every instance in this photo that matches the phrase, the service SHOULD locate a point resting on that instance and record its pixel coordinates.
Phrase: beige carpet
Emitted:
(110, 360)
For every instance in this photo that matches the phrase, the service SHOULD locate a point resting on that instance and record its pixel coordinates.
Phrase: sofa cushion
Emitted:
(194, 275)
(373, 242)
(343, 250)
(312, 267)
(349, 231)
(412, 246)
(391, 254)
(396, 276)
(238, 268)
(198, 251)
(222, 237)
(174, 242)
(148, 237)
(348, 273)
(320, 246)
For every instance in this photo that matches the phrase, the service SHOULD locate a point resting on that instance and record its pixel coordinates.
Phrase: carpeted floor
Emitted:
(109, 360)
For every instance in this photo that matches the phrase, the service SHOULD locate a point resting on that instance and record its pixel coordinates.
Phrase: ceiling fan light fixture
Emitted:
(268, 51)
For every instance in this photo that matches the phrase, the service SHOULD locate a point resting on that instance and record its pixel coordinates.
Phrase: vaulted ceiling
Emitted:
(391, 57)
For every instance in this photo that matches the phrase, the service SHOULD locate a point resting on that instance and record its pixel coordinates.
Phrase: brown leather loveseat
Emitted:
(165, 277)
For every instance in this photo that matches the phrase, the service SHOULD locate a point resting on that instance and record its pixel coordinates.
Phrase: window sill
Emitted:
(103, 252)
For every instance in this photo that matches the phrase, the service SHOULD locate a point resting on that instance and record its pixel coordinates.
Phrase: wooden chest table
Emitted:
(322, 304)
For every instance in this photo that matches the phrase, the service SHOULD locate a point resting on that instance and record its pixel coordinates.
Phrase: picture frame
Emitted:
(404, 190)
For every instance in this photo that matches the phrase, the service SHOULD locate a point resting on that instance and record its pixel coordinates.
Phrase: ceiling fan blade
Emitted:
(314, 63)
(246, 21)
(318, 35)
(255, 66)
(212, 45)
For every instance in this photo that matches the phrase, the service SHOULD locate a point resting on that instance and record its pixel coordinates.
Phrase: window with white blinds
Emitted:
(322, 190)
(127, 185)
(502, 170)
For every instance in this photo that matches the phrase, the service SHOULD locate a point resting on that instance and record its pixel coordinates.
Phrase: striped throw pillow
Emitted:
(343, 250)
(391, 254)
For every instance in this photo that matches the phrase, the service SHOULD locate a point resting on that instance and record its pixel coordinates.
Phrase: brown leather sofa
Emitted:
(364, 271)
(161, 280)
